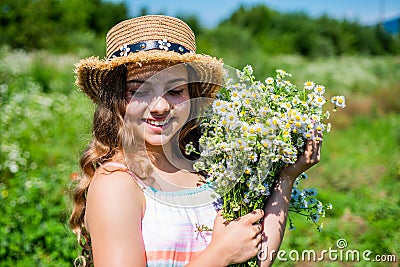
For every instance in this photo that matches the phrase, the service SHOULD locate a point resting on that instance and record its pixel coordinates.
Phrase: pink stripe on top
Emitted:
(174, 225)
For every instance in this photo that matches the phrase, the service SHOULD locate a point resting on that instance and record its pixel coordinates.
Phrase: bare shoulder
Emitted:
(115, 185)
(114, 212)
(114, 179)
(114, 197)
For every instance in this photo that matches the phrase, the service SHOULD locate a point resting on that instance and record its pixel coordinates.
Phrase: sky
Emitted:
(211, 12)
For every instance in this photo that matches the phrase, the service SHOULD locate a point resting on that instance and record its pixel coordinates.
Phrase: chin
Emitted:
(157, 141)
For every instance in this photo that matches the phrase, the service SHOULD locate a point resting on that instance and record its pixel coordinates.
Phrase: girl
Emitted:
(138, 202)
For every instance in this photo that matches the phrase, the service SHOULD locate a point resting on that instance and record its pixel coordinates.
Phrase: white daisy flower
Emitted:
(319, 100)
(244, 94)
(309, 85)
(319, 89)
(309, 135)
(236, 104)
(253, 157)
(218, 105)
(248, 171)
(231, 118)
(339, 101)
(240, 144)
(319, 127)
(264, 111)
(296, 101)
(266, 143)
(269, 80)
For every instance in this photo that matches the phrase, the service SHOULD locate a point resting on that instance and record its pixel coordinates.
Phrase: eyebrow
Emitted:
(177, 80)
(135, 81)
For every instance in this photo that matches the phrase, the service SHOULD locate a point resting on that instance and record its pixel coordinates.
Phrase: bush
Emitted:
(58, 25)
(39, 152)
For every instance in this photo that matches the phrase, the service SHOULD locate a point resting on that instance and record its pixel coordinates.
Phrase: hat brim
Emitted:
(92, 72)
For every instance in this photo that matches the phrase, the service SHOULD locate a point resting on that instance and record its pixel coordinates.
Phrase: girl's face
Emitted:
(159, 101)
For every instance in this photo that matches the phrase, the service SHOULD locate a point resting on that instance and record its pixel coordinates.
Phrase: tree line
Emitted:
(276, 32)
(75, 25)
(58, 25)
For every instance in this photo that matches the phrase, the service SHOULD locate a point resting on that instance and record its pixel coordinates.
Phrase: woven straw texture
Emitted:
(150, 28)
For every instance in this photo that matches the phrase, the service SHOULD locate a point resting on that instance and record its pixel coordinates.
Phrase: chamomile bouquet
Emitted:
(251, 131)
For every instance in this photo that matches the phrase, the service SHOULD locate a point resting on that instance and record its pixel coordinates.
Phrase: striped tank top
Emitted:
(176, 225)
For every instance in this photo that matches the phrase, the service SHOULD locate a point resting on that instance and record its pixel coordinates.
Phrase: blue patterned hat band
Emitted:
(125, 50)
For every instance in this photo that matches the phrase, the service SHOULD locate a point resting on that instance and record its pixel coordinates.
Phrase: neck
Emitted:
(168, 157)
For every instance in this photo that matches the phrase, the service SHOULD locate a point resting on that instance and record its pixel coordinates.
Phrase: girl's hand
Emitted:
(310, 157)
(240, 239)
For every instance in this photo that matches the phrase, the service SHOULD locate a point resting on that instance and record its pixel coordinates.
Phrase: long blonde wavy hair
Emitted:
(107, 131)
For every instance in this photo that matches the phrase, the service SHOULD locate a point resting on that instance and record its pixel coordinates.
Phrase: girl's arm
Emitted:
(113, 216)
(276, 208)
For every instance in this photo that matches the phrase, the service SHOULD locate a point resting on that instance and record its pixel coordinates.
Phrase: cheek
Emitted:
(179, 100)
(182, 106)
(185, 111)
(135, 109)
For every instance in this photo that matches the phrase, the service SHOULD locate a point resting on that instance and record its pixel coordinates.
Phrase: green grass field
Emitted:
(45, 124)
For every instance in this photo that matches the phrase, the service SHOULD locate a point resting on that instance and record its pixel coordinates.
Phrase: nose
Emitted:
(160, 105)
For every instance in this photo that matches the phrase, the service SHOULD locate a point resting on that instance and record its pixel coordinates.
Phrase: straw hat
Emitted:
(147, 39)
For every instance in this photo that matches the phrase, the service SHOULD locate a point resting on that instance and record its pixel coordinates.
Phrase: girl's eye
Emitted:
(139, 93)
(176, 91)
(138, 90)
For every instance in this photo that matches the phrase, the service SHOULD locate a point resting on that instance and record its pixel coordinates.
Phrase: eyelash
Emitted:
(175, 91)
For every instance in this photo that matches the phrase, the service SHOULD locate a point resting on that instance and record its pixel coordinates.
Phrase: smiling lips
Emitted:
(157, 123)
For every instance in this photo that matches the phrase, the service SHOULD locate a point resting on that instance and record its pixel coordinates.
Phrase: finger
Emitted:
(308, 150)
(257, 229)
(219, 217)
(316, 156)
(318, 136)
(259, 240)
(254, 216)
